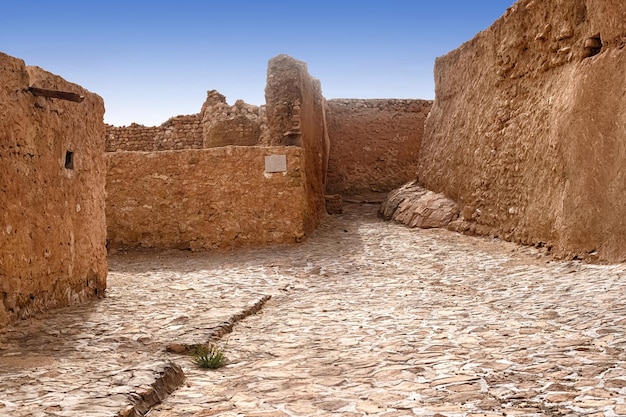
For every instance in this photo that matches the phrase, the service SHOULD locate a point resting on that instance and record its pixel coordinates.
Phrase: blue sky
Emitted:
(151, 60)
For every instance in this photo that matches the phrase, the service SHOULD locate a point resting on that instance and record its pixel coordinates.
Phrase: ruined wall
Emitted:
(296, 110)
(180, 132)
(52, 221)
(238, 125)
(527, 132)
(220, 196)
(205, 199)
(217, 124)
(374, 144)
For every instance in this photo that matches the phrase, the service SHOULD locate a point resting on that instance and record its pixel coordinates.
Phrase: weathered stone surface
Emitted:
(295, 110)
(527, 127)
(238, 131)
(359, 319)
(206, 198)
(223, 125)
(169, 378)
(417, 207)
(52, 225)
(374, 144)
(180, 132)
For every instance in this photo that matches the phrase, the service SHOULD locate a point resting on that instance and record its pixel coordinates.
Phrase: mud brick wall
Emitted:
(180, 132)
(205, 199)
(527, 129)
(296, 116)
(374, 144)
(52, 182)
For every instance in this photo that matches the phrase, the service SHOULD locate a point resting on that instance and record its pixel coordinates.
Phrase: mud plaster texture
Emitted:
(296, 116)
(52, 224)
(374, 144)
(205, 199)
(528, 125)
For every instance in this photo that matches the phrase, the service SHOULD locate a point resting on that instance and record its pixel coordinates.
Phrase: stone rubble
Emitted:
(366, 318)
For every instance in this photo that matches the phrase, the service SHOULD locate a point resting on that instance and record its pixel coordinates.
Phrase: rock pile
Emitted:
(416, 206)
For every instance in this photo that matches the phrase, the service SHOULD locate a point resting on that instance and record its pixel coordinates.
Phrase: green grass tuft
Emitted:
(209, 356)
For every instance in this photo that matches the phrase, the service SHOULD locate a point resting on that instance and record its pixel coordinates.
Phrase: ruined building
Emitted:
(525, 142)
(226, 177)
(241, 175)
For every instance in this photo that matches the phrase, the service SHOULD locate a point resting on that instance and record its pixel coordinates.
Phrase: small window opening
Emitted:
(69, 160)
(593, 46)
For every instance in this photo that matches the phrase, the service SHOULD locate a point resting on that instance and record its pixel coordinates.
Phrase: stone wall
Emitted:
(238, 125)
(205, 199)
(180, 132)
(52, 173)
(217, 124)
(296, 116)
(528, 125)
(374, 144)
(220, 196)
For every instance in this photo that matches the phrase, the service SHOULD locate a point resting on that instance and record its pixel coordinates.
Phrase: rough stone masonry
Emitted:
(225, 195)
(52, 176)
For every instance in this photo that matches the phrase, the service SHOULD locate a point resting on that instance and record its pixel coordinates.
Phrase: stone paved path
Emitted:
(366, 318)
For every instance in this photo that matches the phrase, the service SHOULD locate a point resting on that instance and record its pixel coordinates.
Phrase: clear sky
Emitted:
(154, 59)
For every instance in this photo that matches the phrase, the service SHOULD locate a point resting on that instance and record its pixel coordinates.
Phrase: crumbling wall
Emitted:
(238, 125)
(222, 195)
(205, 199)
(296, 110)
(217, 124)
(180, 132)
(374, 144)
(528, 125)
(52, 173)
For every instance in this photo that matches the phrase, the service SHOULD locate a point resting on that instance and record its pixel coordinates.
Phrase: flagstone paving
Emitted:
(367, 318)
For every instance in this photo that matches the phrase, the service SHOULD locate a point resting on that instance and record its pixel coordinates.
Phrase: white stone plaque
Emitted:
(275, 163)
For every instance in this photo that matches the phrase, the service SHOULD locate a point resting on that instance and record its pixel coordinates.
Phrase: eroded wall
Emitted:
(205, 199)
(220, 196)
(241, 124)
(52, 225)
(180, 132)
(374, 144)
(527, 131)
(296, 116)
(217, 124)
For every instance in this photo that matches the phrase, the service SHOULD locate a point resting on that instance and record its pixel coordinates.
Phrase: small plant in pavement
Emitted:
(209, 356)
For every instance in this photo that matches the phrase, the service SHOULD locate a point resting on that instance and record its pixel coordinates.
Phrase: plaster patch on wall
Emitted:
(275, 163)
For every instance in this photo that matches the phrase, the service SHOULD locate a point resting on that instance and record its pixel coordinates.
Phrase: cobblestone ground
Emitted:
(366, 318)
